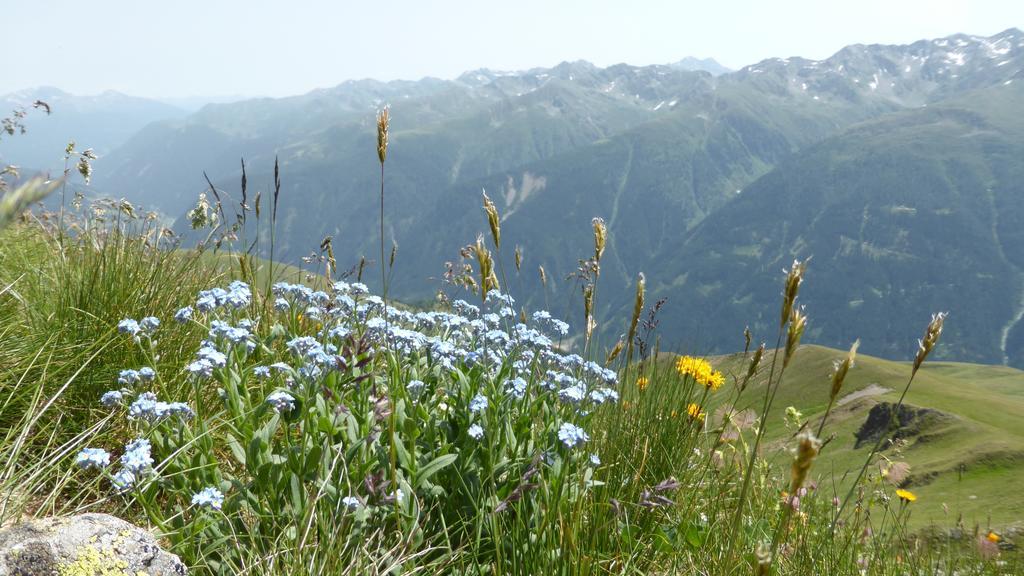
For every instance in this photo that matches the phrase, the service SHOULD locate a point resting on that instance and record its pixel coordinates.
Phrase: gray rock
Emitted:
(83, 545)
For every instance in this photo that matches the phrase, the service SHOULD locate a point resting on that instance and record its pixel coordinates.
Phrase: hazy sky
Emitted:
(179, 48)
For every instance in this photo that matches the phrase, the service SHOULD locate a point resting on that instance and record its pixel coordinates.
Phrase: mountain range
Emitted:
(898, 168)
(102, 122)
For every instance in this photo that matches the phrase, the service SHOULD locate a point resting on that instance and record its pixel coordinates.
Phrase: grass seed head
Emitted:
(931, 338)
(493, 221)
(794, 277)
(600, 236)
(839, 374)
(807, 450)
(383, 124)
(638, 308)
(797, 323)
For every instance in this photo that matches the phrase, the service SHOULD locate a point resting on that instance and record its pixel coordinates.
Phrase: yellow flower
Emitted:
(695, 412)
(701, 371)
(906, 495)
(993, 537)
(642, 382)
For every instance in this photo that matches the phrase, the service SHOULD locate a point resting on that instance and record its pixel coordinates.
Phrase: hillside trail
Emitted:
(1018, 313)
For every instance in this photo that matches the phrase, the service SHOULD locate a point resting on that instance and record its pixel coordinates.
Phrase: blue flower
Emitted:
(475, 432)
(137, 457)
(281, 401)
(238, 295)
(149, 324)
(208, 497)
(281, 305)
(147, 407)
(573, 394)
(146, 373)
(215, 357)
(128, 377)
(143, 407)
(351, 503)
(478, 403)
(261, 371)
(572, 435)
(415, 388)
(595, 460)
(111, 398)
(93, 458)
(128, 326)
(123, 480)
(516, 388)
(183, 315)
(201, 368)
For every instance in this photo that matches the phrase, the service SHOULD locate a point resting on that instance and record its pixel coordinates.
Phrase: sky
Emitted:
(183, 48)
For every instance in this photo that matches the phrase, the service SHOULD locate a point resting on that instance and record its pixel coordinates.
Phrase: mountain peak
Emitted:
(694, 64)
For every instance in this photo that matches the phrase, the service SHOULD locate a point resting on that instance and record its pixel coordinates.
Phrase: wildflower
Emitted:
(281, 401)
(238, 295)
(572, 435)
(516, 388)
(261, 371)
(281, 305)
(573, 394)
(183, 315)
(128, 326)
(111, 398)
(92, 458)
(351, 503)
(906, 495)
(128, 377)
(701, 371)
(208, 497)
(201, 368)
(146, 373)
(694, 411)
(415, 388)
(137, 457)
(641, 383)
(149, 324)
(595, 460)
(993, 537)
(123, 480)
(475, 432)
(478, 403)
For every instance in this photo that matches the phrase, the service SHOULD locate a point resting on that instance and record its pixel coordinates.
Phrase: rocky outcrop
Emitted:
(83, 545)
(910, 422)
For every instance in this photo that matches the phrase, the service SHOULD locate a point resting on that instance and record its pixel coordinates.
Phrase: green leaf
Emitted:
(433, 467)
(236, 449)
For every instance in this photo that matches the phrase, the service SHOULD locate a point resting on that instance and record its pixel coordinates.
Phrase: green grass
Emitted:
(660, 501)
(968, 465)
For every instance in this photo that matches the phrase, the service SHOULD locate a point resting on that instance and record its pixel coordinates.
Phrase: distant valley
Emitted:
(898, 168)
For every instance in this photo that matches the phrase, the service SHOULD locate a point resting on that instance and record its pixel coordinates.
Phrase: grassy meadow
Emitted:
(266, 420)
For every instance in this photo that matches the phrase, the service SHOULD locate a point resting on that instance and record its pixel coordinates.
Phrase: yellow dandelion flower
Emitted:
(701, 371)
(695, 412)
(906, 495)
(993, 537)
(642, 382)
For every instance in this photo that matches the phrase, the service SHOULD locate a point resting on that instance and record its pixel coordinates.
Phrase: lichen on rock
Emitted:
(83, 545)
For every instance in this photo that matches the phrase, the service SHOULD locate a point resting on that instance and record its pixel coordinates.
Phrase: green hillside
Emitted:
(966, 457)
